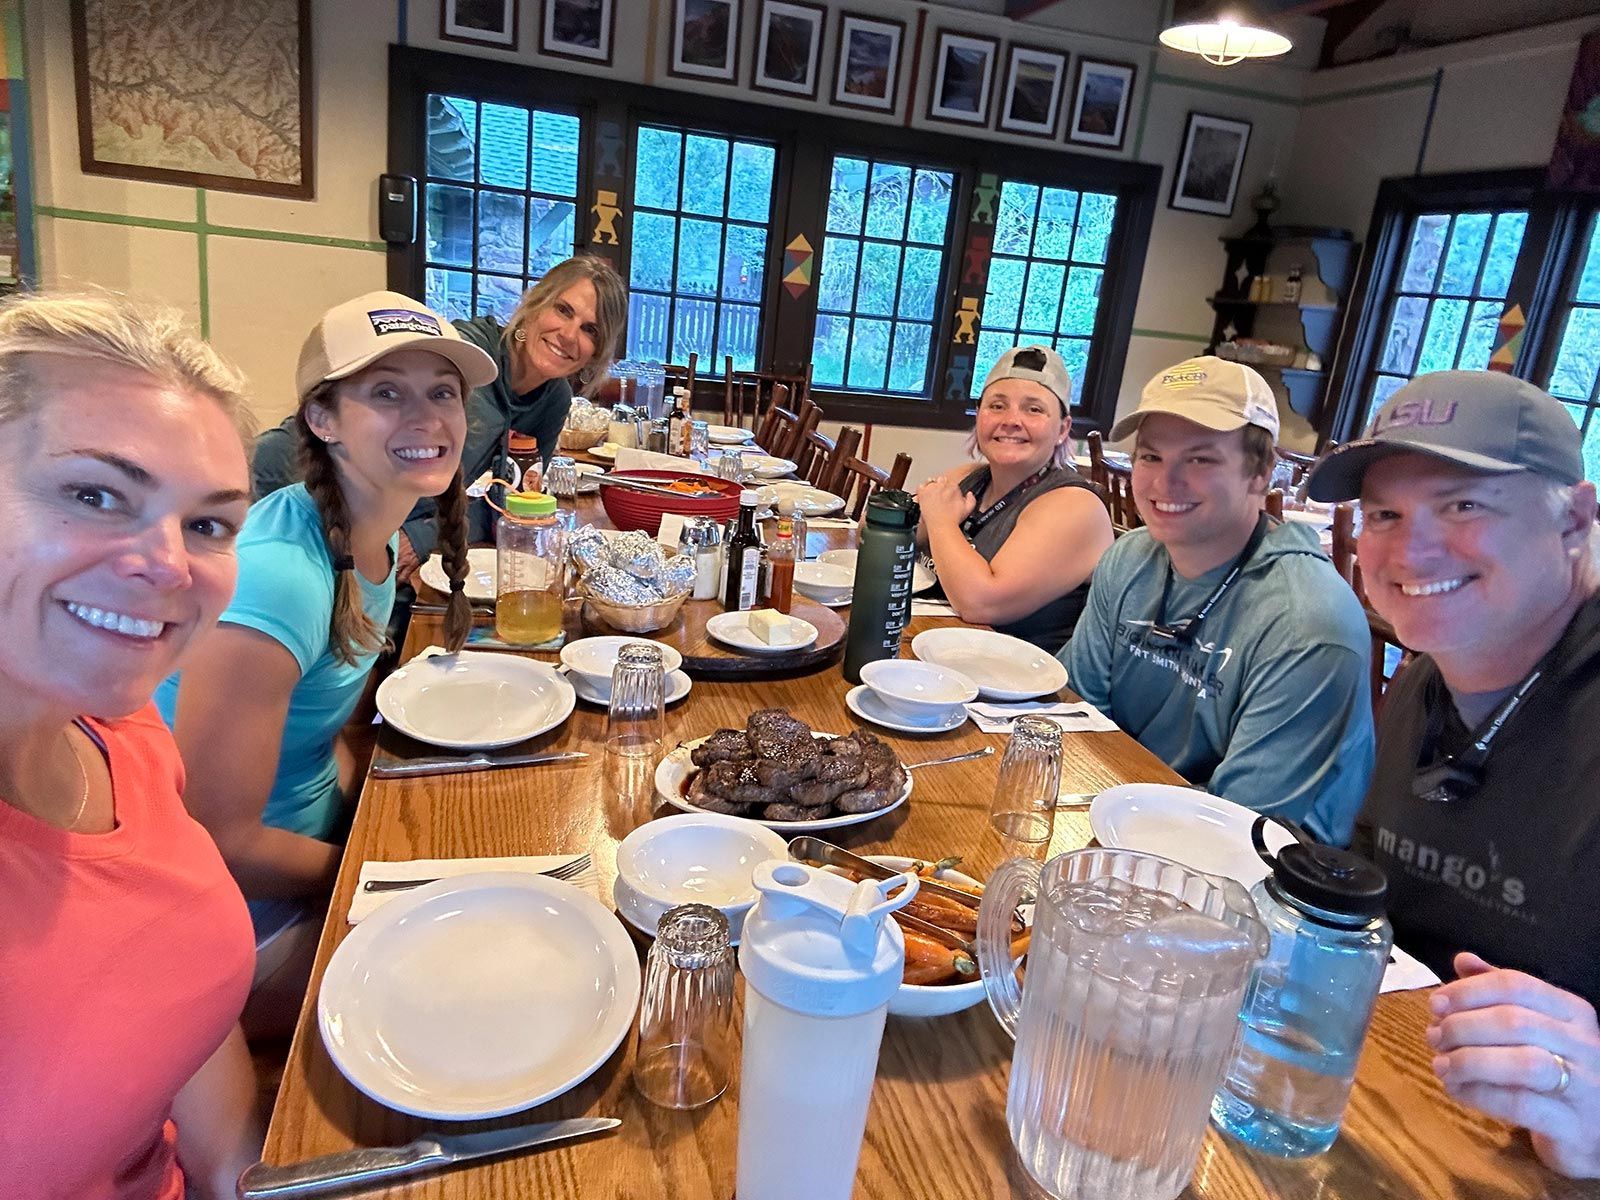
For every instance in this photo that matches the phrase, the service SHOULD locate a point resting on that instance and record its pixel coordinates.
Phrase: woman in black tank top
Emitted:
(1015, 538)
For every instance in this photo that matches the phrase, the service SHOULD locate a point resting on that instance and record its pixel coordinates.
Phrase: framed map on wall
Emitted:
(227, 106)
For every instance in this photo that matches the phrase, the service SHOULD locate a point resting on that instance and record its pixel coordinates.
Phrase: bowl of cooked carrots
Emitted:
(941, 977)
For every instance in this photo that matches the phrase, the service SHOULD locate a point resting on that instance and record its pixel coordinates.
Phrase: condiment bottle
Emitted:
(623, 427)
(702, 538)
(780, 567)
(743, 557)
(821, 958)
(530, 567)
(880, 603)
(522, 450)
(1306, 1011)
(1291, 285)
(678, 422)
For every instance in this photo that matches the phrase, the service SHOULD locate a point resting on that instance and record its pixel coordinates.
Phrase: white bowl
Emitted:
(695, 858)
(921, 578)
(931, 999)
(595, 657)
(919, 690)
(824, 581)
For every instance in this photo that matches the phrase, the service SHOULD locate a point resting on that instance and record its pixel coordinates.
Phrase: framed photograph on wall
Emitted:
(1102, 97)
(580, 29)
(789, 48)
(1031, 94)
(1207, 177)
(705, 40)
(868, 74)
(483, 22)
(963, 78)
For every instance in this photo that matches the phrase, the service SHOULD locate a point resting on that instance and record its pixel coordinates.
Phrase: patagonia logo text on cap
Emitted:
(1183, 379)
(403, 320)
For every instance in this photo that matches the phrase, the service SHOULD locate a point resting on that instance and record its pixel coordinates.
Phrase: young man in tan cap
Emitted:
(1478, 545)
(1224, 640)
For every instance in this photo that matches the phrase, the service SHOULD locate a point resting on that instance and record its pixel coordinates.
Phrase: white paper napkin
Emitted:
(1081, 717)
(366, 903)
(649, 460)
(829, 523)
(1405, 973)
(931, 608)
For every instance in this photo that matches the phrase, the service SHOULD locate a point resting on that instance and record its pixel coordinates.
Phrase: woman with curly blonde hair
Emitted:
(258, 712)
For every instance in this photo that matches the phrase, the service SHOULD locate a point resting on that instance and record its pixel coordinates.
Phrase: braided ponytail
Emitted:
(450, 520)
(351, 632)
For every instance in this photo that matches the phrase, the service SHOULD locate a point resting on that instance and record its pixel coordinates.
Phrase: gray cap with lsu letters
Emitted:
(1482, 420)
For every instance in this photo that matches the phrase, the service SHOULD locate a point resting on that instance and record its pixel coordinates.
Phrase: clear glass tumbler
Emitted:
(1024, 806)
(561, 477)
(699, 441)
(635, 724)
(686, 1043)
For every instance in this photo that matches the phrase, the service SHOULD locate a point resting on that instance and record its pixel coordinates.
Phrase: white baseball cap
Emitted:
(354, 335)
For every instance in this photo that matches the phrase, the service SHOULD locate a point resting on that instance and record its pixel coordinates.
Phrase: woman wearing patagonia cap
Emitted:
(381, 423)
(1478, 544)
(1015, 538)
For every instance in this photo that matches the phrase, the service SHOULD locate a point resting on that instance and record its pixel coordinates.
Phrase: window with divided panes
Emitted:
(1575, 371)
(1045, 272)
(883, 260)
(500, 198)
(697, 264)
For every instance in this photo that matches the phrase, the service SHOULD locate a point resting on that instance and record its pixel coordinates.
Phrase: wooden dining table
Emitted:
(936, 1126)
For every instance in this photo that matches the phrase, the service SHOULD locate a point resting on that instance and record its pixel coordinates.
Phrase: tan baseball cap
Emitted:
(354, 335)
(1209, 391)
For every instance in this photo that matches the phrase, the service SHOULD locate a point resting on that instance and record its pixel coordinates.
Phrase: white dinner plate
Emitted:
(605, 450)
(588, 476)
(729, 435)
(1003, 667)
(733, 629)
(678, 685)
(921, 578)
(478, 995)
(869, 706)
(480, 581)
(765, 466)
(475, 700)
(1192, 827)
(675, 770)
(791, 497)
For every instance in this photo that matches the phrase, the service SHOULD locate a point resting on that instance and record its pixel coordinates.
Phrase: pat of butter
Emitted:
(772, 627)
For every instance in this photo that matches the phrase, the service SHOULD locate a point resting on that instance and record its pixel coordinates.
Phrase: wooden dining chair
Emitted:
(822, 459)
(860, 479)
(749, 395)
(778, 418)
(682, 376)
(806, 419)
(1116, 486)
(1273, 503)
(812, 455)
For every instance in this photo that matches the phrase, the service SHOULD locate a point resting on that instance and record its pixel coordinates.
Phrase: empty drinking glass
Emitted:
(561, 477)
(1024, 806)
(634, 724)
(686, 1017)
(699, 441)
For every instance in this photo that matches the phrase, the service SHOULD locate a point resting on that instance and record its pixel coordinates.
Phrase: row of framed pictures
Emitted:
(871, 52)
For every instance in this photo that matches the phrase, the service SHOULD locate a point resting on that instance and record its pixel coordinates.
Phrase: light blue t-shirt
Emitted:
(285, 590)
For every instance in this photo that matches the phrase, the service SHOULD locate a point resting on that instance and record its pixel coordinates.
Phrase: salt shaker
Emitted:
(1024, 806)
(821, 958)
(702, 537)
(686, 1018)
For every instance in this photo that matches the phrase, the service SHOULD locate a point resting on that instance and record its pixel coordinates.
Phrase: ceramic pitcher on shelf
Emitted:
(1136, 970)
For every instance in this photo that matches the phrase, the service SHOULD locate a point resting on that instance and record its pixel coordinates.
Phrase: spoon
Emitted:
(954, 758)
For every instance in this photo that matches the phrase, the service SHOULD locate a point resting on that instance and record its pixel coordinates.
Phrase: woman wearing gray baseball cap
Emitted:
(1015, 538)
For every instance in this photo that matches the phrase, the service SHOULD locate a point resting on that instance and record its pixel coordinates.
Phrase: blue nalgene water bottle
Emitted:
(1306, 1011)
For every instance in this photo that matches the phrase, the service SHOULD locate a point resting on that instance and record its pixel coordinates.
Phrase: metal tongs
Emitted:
(635, 485)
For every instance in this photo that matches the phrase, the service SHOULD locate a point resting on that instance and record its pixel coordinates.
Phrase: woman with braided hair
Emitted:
(259, 707)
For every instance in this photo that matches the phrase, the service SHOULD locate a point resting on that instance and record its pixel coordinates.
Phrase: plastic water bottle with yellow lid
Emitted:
(531, 558)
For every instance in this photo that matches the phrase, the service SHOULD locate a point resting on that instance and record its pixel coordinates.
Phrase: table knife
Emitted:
(354, 1170)
(472, 762)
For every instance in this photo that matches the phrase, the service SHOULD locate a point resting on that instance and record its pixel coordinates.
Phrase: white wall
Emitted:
(256, 295)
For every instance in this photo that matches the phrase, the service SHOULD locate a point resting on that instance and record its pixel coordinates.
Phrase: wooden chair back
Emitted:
(1116, 486)
(806, 419)
(822, 458)
(778, 417)
(1274, 503)
(860, 479)
(748, 395)
(683, 376)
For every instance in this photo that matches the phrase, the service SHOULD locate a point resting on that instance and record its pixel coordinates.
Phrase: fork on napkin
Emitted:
(1079, 717)
(366, 903)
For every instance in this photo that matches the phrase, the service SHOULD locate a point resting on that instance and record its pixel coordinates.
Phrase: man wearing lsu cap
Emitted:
(1478, 544)
(1224, 640)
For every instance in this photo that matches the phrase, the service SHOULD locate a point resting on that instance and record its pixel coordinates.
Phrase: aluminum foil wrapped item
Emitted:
(639, 554)
(588, 548)
(587, 418)
(676, 575)
(618, 587)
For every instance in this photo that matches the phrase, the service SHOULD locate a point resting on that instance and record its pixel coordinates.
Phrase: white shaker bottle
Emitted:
(821, 958)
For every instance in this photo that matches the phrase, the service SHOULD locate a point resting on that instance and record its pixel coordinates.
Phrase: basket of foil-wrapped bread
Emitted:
(776, 770)
(629, 581)
(586, 426)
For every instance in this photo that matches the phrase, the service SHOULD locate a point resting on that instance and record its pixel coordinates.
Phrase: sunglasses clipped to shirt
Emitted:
(1183, 633)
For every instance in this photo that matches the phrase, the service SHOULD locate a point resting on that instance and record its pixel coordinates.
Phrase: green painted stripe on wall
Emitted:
(1167, 335)
(1375, 89)
(235, 231)
(13, 25)
(201, 261)
(1226, 89)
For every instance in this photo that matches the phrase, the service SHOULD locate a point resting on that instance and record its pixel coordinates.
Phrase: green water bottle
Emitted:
(880, 601)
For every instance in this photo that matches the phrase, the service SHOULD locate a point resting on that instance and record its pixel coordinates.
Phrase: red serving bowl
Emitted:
(643, 510)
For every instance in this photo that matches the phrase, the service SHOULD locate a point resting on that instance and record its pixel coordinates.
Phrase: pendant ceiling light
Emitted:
(1225, 35)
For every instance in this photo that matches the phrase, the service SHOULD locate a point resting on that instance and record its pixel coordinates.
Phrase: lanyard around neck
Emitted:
(977, 520)
(1184, 631)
